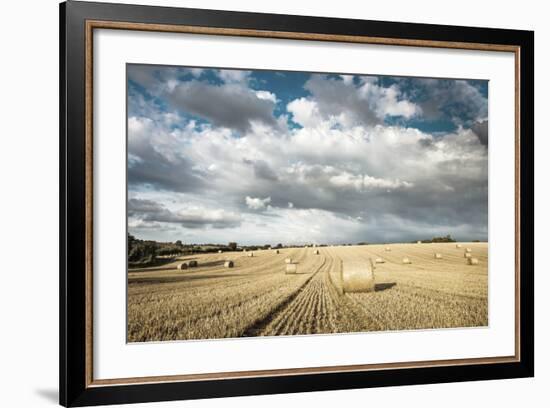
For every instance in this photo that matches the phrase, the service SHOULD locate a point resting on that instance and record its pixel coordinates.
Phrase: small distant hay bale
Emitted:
(291, 268)
(458, 246)
(472, 261)
(387, 249)
(193, 264)
(418, 242)
(251, 254)
(357, 276)
(468, 250)
(219, 251)
(288, 260)
(183, 266)
(276, 251)
(228, 264)
(316, 252)
(379, 260)
(407, 261)
(244, 249)
(467, 255)
(437, 255)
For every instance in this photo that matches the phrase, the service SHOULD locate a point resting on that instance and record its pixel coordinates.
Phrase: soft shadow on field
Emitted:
(177, 279)
(384, 286)
(50, 395)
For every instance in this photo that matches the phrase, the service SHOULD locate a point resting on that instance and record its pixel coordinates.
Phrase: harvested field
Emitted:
(258, 298)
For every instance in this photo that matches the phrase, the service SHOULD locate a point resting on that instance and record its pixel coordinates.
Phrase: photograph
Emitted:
(282, 203)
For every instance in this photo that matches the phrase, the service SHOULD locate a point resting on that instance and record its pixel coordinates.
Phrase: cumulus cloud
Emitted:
(240, 172)
(340, 100)
(233, 75)
(256, 203)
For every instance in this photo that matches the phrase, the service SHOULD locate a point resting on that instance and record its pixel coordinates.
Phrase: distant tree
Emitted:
(279, 246)
(232, 246)
(446, 238)
(178, 243)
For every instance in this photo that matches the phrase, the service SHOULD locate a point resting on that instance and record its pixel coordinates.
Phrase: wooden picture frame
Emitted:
(78, 20)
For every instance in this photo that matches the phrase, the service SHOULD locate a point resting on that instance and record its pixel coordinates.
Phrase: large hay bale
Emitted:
(251, 254)
(357, 276)
(468, 250)
(472, 261)
(288, 260)
(407, 261)
(458, 246)
(291, 268)
(387, 249)
(316, 252)
(228, 264)
(193, 264)
(467, 255)
(182, 266)
(379, 260)
(437, 255)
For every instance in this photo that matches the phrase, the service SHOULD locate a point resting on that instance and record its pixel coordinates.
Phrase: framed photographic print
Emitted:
(256, 203)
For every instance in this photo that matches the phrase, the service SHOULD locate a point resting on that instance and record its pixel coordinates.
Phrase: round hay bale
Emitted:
(468, 250)
(316, 252)
(228, 264)
(182, 266)
(472, 261)
(379, 260)
(418, 242)
(276, 251)
(244, 249)
(407, 261)
(357, 276)
(467, 255)
(291, 268)
(251, 254)
(219, 251)
(438, 256)
(288, 260)
(193, 264)
(387, 249)
(458, 246)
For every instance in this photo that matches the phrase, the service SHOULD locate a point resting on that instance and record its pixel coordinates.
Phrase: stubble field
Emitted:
(257, 298)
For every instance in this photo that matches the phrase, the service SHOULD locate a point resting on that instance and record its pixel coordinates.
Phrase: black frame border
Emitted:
(73, 390)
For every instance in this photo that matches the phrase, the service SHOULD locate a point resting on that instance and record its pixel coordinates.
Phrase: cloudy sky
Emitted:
(266, 157)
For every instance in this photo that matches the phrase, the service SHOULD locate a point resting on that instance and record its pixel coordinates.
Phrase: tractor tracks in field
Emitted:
(260, 325)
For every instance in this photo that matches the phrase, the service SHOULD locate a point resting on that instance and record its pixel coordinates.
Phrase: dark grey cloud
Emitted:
(193, 217)
(481, 129)
(147, 166)
(229, 105)
(262, 170)
(456, 100)
(334, 97)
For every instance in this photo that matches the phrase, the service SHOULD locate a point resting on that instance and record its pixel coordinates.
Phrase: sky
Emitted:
(267, 157)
